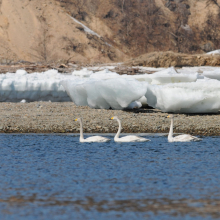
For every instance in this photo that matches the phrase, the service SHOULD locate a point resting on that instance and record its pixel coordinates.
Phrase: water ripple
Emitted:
(55, 175)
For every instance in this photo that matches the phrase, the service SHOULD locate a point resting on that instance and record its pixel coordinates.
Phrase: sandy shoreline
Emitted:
(54, 117)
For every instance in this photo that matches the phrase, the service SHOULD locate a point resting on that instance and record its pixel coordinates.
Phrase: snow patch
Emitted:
(195, 97)
(117, 93)
(171, 90)
(214, 74)
(214, 52)
(88, 30)
(170, 75)
(18, 86)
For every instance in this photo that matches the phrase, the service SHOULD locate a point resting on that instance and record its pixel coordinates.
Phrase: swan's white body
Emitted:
(182, 137)
(90, 139)
(129, 138)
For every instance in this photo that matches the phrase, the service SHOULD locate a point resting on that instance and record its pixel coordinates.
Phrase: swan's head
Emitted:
(78, 119)
(114, 118)
(170, 116)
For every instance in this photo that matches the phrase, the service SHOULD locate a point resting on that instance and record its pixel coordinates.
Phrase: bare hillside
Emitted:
(41, 30)
(100, 31)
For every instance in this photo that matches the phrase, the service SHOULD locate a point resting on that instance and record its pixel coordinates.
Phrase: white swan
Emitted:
(129, 138)
(182, 137)
(90, 139)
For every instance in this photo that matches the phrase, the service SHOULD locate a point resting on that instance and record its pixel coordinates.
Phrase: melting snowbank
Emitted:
(170, 75)
(171, 90)
(195, 97)
(103, 89)
(116, 93)
(214, 74)
(46, 86)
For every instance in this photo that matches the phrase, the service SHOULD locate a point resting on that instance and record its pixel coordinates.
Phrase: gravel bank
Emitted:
(48, 117)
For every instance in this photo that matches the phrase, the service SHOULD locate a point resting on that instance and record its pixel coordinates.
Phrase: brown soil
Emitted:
(48, 117)
(35, 67)
(167, 59)
(156, 59)
(43, 31)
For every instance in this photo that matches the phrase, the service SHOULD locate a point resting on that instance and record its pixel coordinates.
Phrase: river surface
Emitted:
(56, 177)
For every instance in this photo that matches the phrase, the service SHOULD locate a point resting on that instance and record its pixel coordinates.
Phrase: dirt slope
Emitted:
(43, 30)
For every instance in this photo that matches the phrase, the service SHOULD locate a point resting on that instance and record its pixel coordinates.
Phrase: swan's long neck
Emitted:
(119, 129)
(81, 130)
(171, 129)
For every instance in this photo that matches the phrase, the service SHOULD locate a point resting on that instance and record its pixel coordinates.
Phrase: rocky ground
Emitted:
(51, 117)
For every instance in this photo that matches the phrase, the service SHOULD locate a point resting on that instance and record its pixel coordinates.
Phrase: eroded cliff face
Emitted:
(45, 31)
(143, 26)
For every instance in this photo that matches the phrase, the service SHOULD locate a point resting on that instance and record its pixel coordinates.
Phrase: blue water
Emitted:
(56, 177)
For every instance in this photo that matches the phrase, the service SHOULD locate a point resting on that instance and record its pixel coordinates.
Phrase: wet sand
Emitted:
(54, 117)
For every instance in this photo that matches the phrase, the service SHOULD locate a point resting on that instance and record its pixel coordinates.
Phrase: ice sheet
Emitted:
(170, 75)
(15, 87)
(195, 97)
(117, 93)
(214, 74)
(107, 89)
